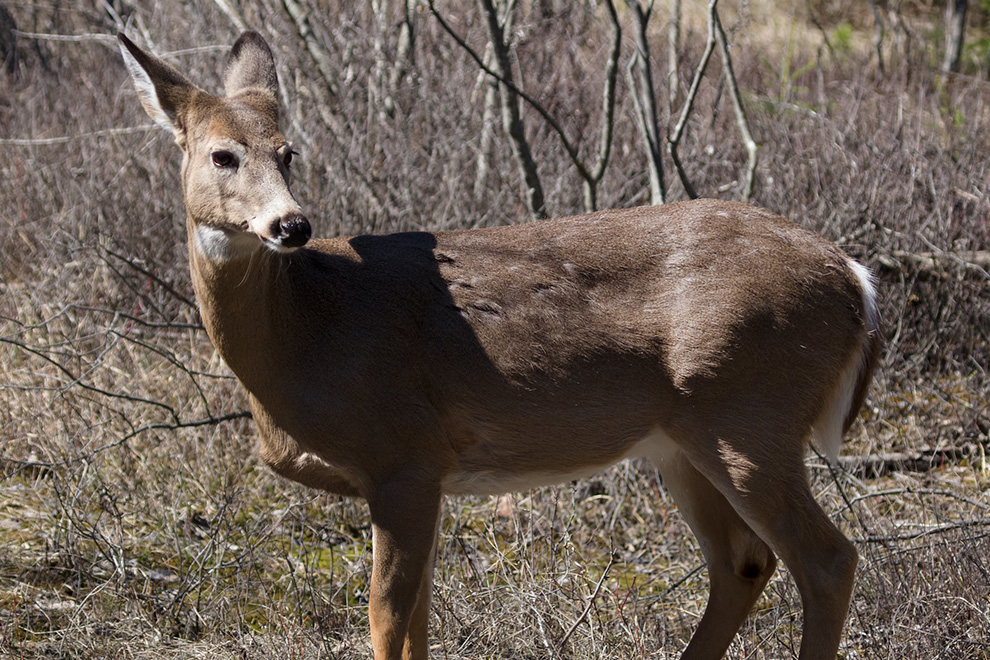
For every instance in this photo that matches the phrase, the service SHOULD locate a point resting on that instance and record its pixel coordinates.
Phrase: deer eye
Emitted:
(224, 159)
(287, 158)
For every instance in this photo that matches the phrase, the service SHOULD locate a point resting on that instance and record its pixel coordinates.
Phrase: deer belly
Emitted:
(502, 474)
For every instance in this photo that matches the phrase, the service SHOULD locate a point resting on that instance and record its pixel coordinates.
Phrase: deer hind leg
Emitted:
(821, 559)
(404, 521)
(767, 486)
(739, 562)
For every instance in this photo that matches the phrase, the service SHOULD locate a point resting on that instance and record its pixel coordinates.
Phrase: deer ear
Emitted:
(250, 64)
(164, 92)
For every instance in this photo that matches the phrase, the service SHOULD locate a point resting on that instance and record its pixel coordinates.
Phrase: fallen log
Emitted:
(872, 466)
(974, 263)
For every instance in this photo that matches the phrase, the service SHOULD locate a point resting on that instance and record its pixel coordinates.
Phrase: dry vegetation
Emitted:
(135, 521)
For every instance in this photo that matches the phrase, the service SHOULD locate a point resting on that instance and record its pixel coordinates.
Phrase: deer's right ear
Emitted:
(164, 92)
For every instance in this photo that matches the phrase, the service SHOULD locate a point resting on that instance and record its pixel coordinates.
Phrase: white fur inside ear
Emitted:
(146, 91)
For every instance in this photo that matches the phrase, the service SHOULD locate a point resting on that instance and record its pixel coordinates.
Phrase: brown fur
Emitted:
(708, 336)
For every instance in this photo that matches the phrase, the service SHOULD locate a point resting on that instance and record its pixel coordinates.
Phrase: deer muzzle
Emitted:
(290, 231)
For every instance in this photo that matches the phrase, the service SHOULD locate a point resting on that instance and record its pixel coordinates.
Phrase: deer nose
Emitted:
(291, 230)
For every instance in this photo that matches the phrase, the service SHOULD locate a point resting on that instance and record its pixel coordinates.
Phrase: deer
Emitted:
(716, 339)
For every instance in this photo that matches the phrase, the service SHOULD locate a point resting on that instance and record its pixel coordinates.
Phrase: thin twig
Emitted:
(935, 492)
(644, 103)
(34, 142)
(231, 12)
(928, 531)
(144, 271)
(511, 118)
(674, 140)
(673, 51)
(569, 147)
(608, 114)
(74, 381)
(169, 325)
(100, 38)
(207, 421)
(737, 104)
(171, 359)
(316, 50)
(587, 609)
(878, 33)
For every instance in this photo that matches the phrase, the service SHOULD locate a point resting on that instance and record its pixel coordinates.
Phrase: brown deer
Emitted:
(714, 338)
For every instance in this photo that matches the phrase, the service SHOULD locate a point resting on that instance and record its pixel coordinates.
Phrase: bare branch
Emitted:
(674, 52)
(487, 137)
(88, 456)
(404, 51)
(716, 35)
(74, 381)
(587, 609)
(137, 320)
(927, 530)
(64, 139)
(320, 56)
(975, 262)
(533, 103)
(737, 105)
(231, 12)
(144, 271)
(878, 33)
(919, 492)
(955, 19)
(674, 140)
(511, 119)
(608, 114)
(106, 39)
(488, 116)
(379, 87)
(644, 103)
(500, 70)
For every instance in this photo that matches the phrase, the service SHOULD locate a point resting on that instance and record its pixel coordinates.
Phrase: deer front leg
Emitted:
(405, 521)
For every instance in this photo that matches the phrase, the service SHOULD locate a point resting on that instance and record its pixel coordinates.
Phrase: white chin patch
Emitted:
(222, 245)
(278, 247)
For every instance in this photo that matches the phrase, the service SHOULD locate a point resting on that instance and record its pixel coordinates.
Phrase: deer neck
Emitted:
(243, 298)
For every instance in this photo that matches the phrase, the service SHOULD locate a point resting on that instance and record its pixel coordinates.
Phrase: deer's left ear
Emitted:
(250, 64)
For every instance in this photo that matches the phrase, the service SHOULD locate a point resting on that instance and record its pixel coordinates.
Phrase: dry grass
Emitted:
(135, 519)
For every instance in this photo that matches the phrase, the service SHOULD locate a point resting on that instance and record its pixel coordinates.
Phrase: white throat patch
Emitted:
(220, 245)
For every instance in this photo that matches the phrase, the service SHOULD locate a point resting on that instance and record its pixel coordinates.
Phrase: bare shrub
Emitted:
(138, 523)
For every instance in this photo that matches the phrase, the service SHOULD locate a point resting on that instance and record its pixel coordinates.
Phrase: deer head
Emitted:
(235, 160)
